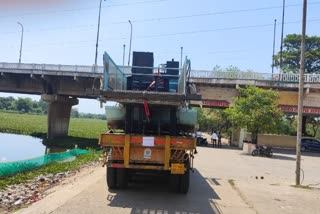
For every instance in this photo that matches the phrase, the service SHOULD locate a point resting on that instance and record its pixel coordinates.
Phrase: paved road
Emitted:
(210, 191)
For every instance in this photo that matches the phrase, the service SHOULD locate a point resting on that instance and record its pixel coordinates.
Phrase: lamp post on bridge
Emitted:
(97, 43)
(130, 42)
(22, 29)
(282, 27)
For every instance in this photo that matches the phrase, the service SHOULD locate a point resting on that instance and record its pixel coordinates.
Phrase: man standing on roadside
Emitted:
(214, 138)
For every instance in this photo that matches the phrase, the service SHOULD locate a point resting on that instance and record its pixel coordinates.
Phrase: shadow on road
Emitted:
(151, 194)
(293, 152)
(283, 157)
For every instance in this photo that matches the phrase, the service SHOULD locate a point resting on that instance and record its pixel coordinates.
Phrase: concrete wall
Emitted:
(217, 93)
(281, 141)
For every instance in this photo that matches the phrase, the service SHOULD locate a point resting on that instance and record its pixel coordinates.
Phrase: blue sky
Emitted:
(212, 32)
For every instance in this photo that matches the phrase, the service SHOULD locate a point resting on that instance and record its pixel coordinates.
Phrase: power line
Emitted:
(219, 29)
(163, 18)
(170, 34)
(81, 9)
(216, 13)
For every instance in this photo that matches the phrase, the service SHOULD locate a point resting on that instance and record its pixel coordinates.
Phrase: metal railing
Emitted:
(49, 67)
(284, 77)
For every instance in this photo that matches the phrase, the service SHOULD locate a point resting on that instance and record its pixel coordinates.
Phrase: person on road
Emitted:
(214, 138)
(219, 139)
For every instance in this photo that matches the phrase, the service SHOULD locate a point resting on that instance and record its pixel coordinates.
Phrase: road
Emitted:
(211, 190)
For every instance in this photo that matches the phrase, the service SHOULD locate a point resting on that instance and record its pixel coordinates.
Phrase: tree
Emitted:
(256, 110)
(313, 124)
(213, 119)
(292, 50)
(75, 113)
(23, 105)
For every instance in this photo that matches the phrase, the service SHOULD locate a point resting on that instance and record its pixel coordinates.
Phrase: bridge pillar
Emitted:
(59, 110)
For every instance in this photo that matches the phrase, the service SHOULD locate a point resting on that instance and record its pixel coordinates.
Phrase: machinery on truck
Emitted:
(151, 127)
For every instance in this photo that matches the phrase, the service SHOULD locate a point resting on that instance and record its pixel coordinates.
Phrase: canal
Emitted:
(15, 147)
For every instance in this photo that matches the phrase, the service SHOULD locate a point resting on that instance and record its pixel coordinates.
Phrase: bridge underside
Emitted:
(74, 86)
(60, 93)
(221, 94)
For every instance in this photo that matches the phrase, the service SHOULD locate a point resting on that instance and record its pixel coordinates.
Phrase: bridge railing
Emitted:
(50, 67)
(285, 77)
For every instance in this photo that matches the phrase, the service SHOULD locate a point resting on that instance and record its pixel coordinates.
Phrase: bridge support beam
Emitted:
(59, 110)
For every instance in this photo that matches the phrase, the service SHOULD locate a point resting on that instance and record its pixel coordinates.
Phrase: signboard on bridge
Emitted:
(215, 103)
(294, 109)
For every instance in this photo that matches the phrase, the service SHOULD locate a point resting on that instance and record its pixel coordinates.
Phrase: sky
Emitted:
(211, 32)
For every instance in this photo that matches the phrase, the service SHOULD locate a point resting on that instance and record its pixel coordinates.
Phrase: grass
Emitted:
(50, 169)
(231, 182)
(36, 125)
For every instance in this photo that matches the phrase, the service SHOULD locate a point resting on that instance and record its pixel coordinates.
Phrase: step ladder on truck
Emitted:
(151, 127)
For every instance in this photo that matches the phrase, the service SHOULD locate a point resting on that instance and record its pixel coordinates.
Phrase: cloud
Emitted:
(3, 159)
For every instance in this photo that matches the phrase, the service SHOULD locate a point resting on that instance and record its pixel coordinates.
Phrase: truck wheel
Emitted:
(122, 178)
(174, 183)
(111, 177)
(185, 179)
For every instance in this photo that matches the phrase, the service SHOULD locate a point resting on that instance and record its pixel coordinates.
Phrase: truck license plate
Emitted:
(177, 168)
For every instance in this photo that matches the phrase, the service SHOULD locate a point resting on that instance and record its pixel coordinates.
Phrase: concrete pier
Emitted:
(59, 110)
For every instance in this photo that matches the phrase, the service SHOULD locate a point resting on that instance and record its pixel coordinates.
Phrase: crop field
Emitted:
(37, 124)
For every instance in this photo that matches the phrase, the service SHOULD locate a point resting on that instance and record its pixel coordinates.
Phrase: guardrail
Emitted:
(50, 67)
(285, 77)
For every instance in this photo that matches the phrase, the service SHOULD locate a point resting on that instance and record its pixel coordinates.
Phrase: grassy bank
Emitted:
(37, 125)
(50, 169)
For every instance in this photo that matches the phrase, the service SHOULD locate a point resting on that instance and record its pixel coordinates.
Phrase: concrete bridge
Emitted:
(61, 85)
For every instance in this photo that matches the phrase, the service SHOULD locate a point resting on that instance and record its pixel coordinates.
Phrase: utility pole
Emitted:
(274, 43)
(130, 42)
(124, 54)
(97, 43)
(21, 41)
(181, 54)
(301, 83)
(281, 46)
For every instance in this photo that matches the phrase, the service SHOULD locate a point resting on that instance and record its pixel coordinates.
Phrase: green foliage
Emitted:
(213, 119)
(36, 125)
(292, 51)
(23, 105)
(256, 110)
(313, 125)
(26, 105)
(50, 169)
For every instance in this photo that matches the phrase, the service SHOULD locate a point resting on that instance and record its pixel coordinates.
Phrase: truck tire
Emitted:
(185, 179)
(111, 177)
(122, 178)
(174, 183)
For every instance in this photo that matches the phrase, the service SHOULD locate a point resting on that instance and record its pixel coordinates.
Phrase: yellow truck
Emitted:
(151, 127)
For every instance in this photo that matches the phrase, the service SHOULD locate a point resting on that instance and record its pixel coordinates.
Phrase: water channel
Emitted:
(15, 147)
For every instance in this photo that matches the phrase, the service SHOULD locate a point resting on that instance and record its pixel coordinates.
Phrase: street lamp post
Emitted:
(21, 41)
(97, 43)
(282, 27)
(130, 42)
(181, 54)
(124, 54)
(274, 42)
